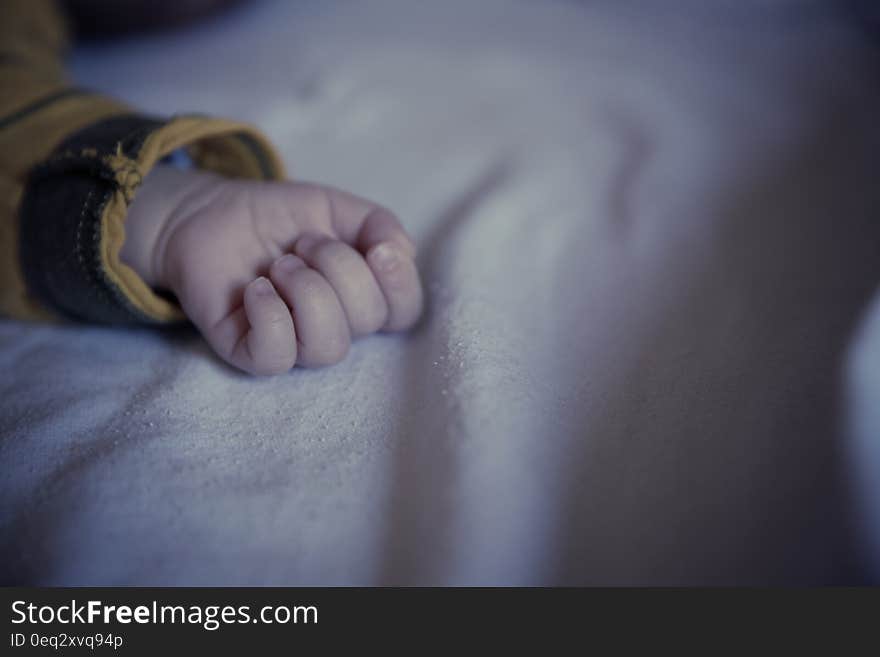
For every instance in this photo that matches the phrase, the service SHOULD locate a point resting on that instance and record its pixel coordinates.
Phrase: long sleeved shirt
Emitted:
(71, 162)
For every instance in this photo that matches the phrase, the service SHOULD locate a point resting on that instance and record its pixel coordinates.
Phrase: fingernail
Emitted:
(384, 256)
(262, 287)
(288, 263)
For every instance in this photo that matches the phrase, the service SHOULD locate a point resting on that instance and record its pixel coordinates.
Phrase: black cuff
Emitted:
(61, 222)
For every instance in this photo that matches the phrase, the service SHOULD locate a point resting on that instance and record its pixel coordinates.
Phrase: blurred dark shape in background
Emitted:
(110, 18)
(104, 18)
(868, 14)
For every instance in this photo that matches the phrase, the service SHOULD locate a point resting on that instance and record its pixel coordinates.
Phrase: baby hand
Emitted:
(273, 274)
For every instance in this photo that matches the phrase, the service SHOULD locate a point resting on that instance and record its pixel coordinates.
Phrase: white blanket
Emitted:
(647, 240)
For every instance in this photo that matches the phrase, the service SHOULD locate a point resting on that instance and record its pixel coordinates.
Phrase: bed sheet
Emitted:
(647, 242)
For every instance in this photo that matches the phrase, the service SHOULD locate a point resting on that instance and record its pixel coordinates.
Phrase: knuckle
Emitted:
(382, 215)
(309, 284)
(329, 352)
(330, 250)
(406, 316)
(286, 266)
(367, 326)
(315, 201)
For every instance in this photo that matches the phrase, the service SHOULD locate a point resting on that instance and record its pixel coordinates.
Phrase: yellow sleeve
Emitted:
(70, 164)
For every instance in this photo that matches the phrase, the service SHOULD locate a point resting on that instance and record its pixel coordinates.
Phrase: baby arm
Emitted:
(92, 225)
(273, 274)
